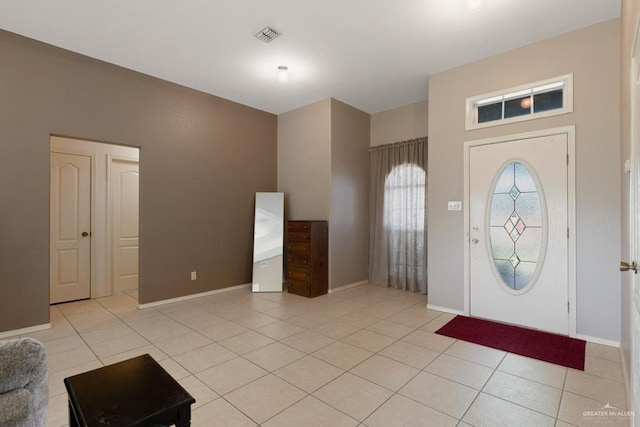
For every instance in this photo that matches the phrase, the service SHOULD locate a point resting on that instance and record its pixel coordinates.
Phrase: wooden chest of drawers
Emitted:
(307, 258)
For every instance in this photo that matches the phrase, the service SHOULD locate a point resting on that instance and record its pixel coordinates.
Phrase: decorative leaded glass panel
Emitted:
(516, 226)
(501, 208)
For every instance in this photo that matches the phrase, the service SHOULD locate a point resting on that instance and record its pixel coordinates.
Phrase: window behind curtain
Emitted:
(404, 196)
(404, 200)
(398, 215)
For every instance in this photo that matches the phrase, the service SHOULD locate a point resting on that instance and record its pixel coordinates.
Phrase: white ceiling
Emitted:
(372, 54)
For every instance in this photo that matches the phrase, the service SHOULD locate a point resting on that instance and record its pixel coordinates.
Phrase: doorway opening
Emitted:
(94, 219)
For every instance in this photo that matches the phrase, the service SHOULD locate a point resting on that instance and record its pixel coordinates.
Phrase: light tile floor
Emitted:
(366, 356)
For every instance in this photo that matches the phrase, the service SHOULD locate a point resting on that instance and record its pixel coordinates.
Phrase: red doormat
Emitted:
(553, 348)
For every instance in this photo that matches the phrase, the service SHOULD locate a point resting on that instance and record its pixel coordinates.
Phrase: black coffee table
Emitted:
(136, 392)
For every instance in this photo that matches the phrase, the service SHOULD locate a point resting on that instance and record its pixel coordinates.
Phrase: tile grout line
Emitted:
(244, 302)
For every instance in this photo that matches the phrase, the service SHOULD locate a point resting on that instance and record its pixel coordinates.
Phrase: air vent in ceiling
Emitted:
(267, 34)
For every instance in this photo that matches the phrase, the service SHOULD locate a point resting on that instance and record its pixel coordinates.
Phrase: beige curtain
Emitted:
(398, 208)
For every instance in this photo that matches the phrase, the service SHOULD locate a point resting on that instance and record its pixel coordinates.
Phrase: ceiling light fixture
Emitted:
(283, 74)
(473, 5)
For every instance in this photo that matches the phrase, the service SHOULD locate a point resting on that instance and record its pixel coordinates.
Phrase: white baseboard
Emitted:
(349, 286)
(597, 340)
(25, 331)
(445, 309)
(192, 296)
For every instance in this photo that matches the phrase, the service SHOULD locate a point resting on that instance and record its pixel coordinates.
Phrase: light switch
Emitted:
(455, 206)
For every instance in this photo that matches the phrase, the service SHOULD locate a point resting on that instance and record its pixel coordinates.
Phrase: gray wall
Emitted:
(349, 229)
(593, 55)
(202, 160)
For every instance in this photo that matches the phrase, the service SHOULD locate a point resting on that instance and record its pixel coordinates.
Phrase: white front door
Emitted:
(70, 224)
(124, 224)
(518, 222)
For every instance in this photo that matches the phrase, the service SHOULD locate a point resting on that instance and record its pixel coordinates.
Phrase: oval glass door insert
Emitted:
(517, 226)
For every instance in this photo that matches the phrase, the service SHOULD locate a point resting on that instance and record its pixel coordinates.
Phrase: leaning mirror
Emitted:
(267, 242)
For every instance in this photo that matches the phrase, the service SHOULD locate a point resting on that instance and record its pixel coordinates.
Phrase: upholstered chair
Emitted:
(23, 383)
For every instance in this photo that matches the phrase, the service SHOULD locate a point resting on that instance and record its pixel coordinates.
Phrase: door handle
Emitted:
(85, 234)
(625, 266)
(475, 240)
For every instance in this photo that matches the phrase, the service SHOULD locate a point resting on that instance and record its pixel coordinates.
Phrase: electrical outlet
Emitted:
(194, 275)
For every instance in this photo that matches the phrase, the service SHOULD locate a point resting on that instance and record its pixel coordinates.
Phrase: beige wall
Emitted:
(323, 169)
(304, 161)
(202, 160)
(630, 16)
(400, 124)
(349, 242)
(592, 54)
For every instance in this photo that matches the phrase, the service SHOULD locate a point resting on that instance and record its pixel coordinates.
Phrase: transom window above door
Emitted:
(535, 100)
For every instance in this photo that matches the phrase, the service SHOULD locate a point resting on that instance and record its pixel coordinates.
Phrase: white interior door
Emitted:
(518, 218)
(124, 224)
(70, 224)
(635, 238)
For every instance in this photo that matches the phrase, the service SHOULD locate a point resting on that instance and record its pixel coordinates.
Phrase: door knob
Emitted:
(625, 266)
(475, 240)
(85, 234)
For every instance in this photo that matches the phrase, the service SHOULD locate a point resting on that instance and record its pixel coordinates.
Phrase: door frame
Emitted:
(570, 131)
(98, 150)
